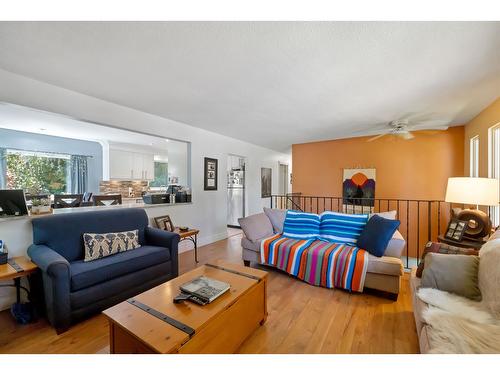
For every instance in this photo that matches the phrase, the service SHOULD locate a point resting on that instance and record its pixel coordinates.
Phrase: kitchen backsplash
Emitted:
(122, 187)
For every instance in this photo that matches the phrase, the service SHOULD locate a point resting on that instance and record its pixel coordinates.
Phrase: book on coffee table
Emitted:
(205, 288)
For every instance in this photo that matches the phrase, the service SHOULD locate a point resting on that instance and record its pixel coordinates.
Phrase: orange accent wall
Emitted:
(480, 126)
(414, 169)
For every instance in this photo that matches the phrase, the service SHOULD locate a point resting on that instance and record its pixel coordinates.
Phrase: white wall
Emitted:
(208, 211)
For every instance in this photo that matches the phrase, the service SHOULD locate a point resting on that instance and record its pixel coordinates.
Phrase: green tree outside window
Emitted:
(36, 174)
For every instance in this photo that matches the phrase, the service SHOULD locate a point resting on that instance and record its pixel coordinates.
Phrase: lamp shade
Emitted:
(472, 190)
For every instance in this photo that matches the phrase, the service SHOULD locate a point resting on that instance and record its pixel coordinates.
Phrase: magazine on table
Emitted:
(204, 290)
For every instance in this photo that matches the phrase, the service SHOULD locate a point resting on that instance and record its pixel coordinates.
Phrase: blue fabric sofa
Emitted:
(74, 289)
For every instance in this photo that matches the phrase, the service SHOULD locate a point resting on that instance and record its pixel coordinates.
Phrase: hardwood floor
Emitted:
(302, 319)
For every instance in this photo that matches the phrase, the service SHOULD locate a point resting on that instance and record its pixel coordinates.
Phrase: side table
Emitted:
(191, 235)
(465, 243)
(15, 269)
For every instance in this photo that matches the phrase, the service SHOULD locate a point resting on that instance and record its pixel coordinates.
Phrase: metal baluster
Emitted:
(418, 231)
(429, 226)
(439, 218)
(407, 235)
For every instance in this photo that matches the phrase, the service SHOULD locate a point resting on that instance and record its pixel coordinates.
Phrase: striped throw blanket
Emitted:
(320, 263)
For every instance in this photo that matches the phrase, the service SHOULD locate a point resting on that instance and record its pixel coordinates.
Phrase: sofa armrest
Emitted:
(50, 262)
(163, 238)
(56, 274)
(395, 246)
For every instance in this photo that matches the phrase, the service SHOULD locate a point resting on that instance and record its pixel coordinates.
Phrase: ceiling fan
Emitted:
(404, 126)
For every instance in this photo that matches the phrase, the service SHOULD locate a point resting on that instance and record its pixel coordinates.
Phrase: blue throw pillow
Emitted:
(301, 225)
(377, 234)
(341, 228)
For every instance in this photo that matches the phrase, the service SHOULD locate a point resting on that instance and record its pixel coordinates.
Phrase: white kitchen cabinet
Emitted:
(148, 164)
(120, 164)
(127, 165)
(137, 166)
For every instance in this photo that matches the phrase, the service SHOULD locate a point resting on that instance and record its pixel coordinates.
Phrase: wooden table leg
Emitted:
(196, 248)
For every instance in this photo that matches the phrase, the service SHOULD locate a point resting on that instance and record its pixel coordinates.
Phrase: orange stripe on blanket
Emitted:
(293, 250)
(324, 268)
(267, 245)
(358, 270)
(303, 264)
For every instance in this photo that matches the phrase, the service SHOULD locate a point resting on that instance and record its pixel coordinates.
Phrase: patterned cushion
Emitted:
(100, 245)
(442, 248)
(341, 228)
(301, 225)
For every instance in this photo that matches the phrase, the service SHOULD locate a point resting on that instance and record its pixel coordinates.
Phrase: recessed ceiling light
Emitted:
(166, 140)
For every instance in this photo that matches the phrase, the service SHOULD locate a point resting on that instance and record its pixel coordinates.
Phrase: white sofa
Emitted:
(383, 273)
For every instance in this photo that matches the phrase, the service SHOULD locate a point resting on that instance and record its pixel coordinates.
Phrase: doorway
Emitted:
(283, 179)
(236, 183)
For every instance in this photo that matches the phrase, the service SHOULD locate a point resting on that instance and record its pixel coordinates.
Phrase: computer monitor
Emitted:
(12, 203)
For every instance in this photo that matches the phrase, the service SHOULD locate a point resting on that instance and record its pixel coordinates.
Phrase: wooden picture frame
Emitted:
(211, 169)
(164, 223)
(456, 229)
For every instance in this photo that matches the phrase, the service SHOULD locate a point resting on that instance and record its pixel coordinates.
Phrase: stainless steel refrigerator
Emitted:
(236, 195)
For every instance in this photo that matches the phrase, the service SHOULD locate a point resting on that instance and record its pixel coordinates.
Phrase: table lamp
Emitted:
(475, 191)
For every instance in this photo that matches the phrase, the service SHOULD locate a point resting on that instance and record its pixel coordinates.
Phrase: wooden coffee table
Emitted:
(152, 323)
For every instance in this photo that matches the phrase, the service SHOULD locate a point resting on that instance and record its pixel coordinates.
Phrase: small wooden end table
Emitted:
(14, 269)
(191, 235)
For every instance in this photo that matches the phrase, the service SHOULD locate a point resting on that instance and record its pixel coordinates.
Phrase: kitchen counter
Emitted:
(93, 208)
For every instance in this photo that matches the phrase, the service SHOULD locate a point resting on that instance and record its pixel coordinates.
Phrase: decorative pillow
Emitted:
(301, 225)
(452, 273)
(341, 228)
(377, 234)
(256, 226)
(442, 248)
(277, 218)
(100, 245)
(391, 215)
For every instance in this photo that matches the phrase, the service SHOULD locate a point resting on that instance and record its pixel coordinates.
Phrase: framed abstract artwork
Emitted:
(210, 174)
(358, 188)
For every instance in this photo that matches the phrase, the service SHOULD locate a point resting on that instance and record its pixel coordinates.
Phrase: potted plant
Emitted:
(41, 206)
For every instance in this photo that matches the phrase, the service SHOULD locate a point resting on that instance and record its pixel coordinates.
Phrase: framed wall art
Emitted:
(210, 170)
(266, 175)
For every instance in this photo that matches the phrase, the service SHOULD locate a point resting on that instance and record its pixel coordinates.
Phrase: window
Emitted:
(37, 172)
(161, 175)
(474, 156)
(494, 166)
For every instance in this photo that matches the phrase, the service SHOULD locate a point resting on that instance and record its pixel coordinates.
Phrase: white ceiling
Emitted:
(269, 83)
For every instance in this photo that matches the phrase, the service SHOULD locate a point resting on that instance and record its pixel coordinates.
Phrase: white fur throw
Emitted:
(489, 276)
(459, 325)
